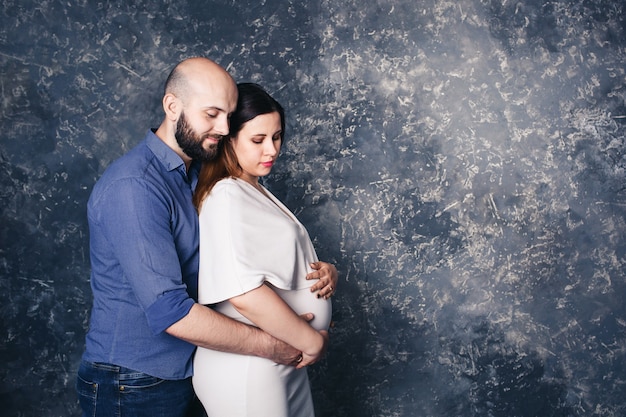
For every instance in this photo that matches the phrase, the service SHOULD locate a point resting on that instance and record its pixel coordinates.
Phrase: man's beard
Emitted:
(191, 143)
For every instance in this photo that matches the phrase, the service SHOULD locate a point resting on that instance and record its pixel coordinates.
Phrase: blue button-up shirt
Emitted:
(144, 261)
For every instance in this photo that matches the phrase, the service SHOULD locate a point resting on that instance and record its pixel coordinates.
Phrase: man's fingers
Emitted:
(307, 316)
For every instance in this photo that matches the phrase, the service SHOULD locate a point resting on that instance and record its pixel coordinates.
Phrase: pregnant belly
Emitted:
(304, 301)
(301, 301)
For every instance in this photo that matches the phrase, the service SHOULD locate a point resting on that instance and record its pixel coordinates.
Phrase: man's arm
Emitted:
(207, 328)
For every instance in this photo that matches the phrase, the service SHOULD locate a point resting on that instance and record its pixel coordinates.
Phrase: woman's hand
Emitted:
(327, 277)
(304, 359)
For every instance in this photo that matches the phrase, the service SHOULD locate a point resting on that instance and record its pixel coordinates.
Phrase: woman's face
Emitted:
(257, 145)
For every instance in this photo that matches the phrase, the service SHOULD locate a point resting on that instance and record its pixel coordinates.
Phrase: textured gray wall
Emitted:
(462, 163)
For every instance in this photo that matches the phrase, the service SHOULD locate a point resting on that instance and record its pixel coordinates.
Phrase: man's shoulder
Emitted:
(131, 167)
(132, 163)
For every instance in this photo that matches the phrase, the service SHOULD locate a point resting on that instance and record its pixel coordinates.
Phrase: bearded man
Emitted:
(145, 323)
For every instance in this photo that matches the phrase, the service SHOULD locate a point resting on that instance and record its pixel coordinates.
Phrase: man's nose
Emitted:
(221, 126)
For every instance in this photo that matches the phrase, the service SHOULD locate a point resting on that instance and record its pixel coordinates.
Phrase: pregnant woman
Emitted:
(254, 258)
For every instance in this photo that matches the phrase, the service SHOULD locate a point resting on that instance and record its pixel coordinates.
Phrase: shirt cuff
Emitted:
(168, 309)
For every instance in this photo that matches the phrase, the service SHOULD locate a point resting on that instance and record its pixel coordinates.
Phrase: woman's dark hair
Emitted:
(253, 101)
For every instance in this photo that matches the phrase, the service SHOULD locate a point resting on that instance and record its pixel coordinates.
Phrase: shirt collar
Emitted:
(164, 153)
(171, 160)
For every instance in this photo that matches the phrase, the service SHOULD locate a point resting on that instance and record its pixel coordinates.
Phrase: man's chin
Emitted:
(208, 154)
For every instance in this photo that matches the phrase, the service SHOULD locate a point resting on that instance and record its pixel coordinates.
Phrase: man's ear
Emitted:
(172, 106)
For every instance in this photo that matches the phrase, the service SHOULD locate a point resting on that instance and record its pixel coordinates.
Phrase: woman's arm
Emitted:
(266, 309)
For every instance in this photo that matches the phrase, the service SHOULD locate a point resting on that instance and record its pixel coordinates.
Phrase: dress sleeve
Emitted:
(246, 240)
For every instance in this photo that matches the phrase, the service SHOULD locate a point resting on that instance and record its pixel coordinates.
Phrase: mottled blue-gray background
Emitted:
(461, 162)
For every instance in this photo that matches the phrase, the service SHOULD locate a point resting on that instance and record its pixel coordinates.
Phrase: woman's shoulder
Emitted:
(223, 196)
(229, 188)
(225, 182)
(229, 184)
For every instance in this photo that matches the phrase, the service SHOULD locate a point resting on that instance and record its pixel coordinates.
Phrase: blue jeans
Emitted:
(106, 390)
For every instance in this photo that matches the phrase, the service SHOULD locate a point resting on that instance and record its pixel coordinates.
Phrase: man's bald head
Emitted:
(189, 74)
(199, 98)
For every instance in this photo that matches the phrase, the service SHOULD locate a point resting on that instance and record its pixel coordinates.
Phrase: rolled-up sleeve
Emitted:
(167, 310)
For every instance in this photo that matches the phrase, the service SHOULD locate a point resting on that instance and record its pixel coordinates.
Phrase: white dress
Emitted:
(246, 240)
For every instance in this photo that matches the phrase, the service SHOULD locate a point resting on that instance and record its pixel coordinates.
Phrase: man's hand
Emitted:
(285, 354)
(327, 277)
